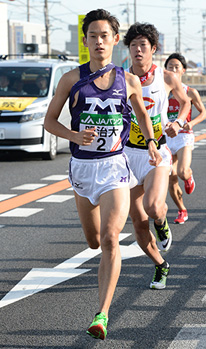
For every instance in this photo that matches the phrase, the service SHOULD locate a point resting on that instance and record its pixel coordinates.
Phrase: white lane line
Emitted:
(39, 279)
(202, 142)
(21, 212)
(70, 189)
(190, 337)
(56, 198)
(204, 299)
(6, 196)
(55, 178)
(29, 186)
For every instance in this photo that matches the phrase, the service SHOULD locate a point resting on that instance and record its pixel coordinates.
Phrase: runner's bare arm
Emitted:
(195, 98)
(134, 93)
(51, 122)
(173, 84)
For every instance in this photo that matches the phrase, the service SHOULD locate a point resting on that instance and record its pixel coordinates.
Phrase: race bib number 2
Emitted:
(136, 136)
(108, 127)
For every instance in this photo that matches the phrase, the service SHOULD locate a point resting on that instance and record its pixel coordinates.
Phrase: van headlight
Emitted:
(32, 117)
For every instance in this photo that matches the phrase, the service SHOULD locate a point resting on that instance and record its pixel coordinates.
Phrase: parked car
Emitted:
(26, 88)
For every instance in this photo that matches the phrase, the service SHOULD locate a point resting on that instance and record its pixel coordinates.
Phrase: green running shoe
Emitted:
(163, 236)
(98, 328)
(160, 277)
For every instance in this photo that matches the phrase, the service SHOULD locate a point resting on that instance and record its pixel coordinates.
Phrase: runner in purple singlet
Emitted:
(98, 170)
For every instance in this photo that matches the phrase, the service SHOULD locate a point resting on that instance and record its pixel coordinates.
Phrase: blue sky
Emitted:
(161, 13)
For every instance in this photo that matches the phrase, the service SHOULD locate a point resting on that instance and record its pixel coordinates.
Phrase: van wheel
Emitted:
(51, 154)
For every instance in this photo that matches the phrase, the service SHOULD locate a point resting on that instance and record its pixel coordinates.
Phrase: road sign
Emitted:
(83, 51)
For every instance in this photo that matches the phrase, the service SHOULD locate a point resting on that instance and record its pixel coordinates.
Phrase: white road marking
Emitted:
(204, 299)
(190, 337)
(39, 279)
(131, 251)
(21, 212)
(6, 196)
(56, 198)
(29, 186)
(202, 142)
(55, 178)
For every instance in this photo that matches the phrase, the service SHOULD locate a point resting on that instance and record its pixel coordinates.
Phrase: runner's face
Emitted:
(176, 66)
(100, 40)
(140, 50)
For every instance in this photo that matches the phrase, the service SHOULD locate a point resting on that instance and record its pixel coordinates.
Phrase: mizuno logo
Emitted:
(78, 185)
(117, 92)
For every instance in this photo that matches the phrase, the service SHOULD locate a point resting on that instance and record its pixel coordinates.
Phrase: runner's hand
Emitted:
(187, 126)
(84, 137)
(155, 157)
(172, 129)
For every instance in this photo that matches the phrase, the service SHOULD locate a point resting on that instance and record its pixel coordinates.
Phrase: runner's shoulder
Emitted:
(71, 76)
(132, 79)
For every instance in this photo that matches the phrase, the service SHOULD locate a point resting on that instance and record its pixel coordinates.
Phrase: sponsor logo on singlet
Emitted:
(136, 137)
(108, 126)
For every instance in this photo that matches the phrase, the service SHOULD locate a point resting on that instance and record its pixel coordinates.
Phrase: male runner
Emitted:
(99, 171)
(182, 145)
(149, 195)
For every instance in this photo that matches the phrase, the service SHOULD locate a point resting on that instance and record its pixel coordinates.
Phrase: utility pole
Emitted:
(28, 11)
(46, 17)
(135, 11)
(203, 39)
(178, 26)
(178, 19)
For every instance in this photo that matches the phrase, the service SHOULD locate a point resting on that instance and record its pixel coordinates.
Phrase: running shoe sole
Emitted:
(185, 219)
(97, 332)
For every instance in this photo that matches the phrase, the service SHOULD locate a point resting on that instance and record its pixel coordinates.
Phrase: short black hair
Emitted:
(98, 15)
(142, 29)
(176, 56)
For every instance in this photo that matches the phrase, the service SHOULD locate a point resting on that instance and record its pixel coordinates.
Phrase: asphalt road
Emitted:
(44, 231)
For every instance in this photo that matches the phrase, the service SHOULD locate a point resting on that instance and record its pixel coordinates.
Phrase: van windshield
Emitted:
(24, 81)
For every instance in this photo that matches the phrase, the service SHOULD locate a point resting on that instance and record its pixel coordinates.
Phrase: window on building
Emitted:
(43, 39)
(33, 39)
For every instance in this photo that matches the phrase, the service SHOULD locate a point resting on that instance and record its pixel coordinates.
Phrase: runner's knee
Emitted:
(94, 245)
(110, 241)
(157, 209)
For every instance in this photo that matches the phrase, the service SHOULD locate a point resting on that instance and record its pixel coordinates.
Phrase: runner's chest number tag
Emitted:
(136, 137)
(108, 127)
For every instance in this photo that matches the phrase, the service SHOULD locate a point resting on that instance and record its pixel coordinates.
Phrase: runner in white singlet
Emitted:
(148, 198)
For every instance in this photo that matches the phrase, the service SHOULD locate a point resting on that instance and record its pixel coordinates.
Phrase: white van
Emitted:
(26, 88)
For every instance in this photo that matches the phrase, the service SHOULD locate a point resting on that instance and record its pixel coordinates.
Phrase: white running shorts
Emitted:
(180, 141)
(91, 178)
(139, 161)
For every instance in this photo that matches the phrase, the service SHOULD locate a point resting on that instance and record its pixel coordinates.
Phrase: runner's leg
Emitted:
(144, 236)
(114, 210)
(174, 187)
(156, 188)
(90, 219)
(184, 156)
